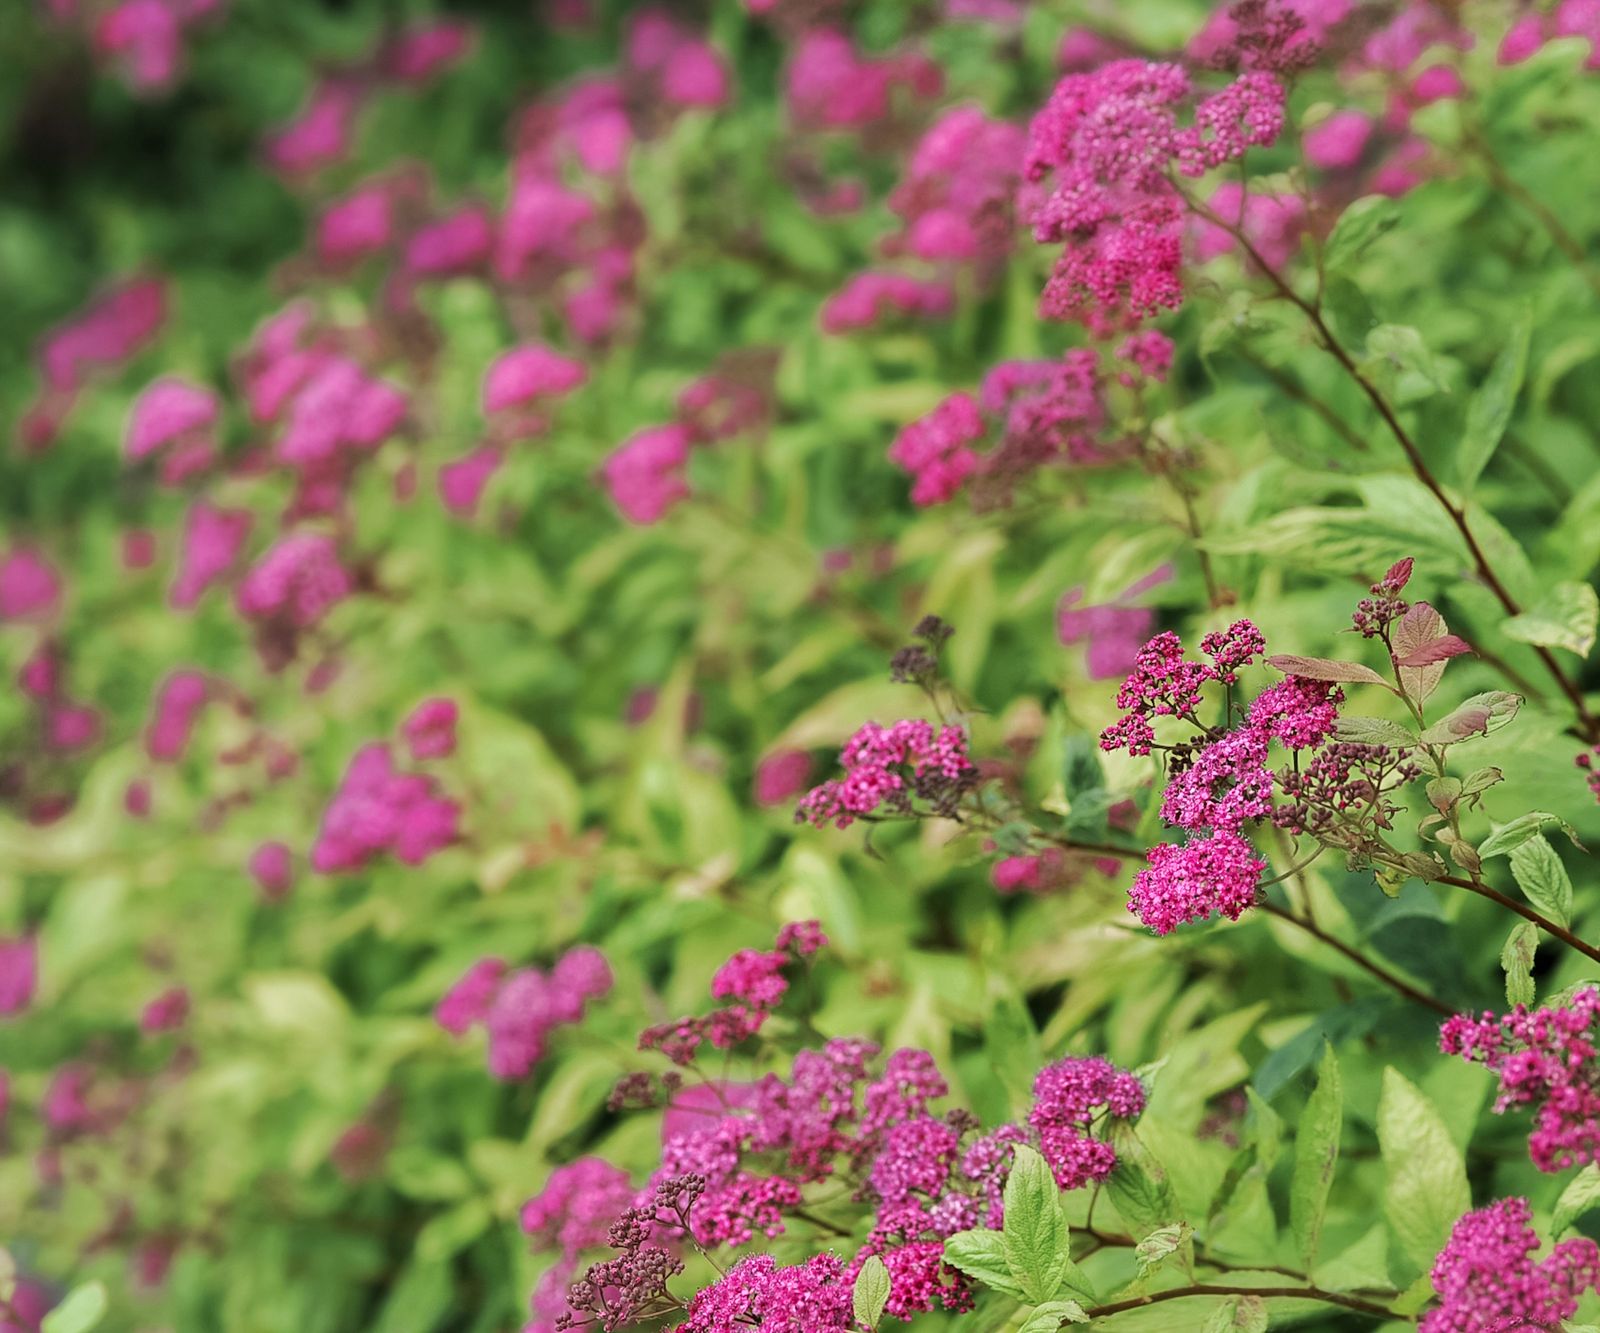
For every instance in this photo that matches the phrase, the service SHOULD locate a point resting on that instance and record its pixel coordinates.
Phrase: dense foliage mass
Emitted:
(800, 664)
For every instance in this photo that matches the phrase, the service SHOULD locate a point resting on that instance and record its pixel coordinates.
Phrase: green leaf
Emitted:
(1358, 227)
(1581, 1194)
(1541, 876)
(1517, 959)
(1489, 410)
(1316, 1155)
(1402, 348)
(981, 1254)
(1051, 1315)
(1243, 1314)
(8, 1275)
(83, 1308)
(1322, 668)
(1427, 1187)
(871, 1292)
(1565, 617)
(1160, 1245)
(1036, 1237)
(1374, 731)
(1138, 1186)
(1480, 715)
(1520, 829)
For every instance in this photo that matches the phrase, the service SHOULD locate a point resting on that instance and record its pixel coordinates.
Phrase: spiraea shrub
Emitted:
(799, 665)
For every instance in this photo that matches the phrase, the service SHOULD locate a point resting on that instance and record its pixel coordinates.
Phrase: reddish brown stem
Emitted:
(1388, 978)
(1307, 1293)
(1525, 912)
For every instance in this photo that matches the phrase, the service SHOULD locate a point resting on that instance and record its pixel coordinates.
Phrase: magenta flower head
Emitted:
(1067, 1099)
(299, 580)
(178, 705)
(894, 768)
(645, 474)
(1488, 1282)
(19, 973)
(462, 481)
(813, 1297)
(30, 588)
(167, 1012)
(271, 865)
(356, 226)
(528, 374)
(782, 776)
(466, 1004)
(1205, 877)
(173, 417)
(1548, 1060)
(212, 542)
(430, 730)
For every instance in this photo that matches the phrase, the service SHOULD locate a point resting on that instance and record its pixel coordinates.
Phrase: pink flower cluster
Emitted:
(751, 984)
(1488, 1281)
(832, 86)
(1214, 875)
(894, 767)
(108, 332)
(379, 809)
(1271, 223)
(957, 196)
(1547, 1060)
(174, 419)
(811, 1297)
(1570, 18)
(1220, 783)
(19, 973)
(178, 706)
(294, 584)
(520, 1008)
(644, 475)
(671, 64)
(1068, 1097)
(875, 295)
(572, 1214)
(430, 729)
(213, 540)
(1099, 166)
(1115, 631)
(145, 38)
(1034, 414)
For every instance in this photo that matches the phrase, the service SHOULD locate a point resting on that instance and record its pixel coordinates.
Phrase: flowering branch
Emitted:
(1419, 465)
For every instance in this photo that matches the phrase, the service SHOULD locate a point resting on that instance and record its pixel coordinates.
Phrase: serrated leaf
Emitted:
(1138, 1186)
(1516, 957)
(1481, 780)
(1481, 715)
(1520, 829)
(1403, 348)
(1051, 1315)
(1543, 879)
(1567, 616)
(1358, 227)
(1243, 1314)
(1316, 1156)
(1323, 668)
(1160, 1245)
(1420, 626)
(1581, 1194)
(1426, 1190)
(1035, 1235)
(1489, 409)
(1441, 649)
(1373, 731)
(871, 1292)
(83, 1308)
(981, 1254)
